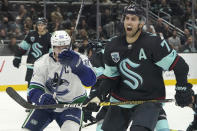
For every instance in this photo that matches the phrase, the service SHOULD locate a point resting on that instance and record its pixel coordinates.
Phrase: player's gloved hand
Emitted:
(46, 99)
(92, 101)
(88, 116)
(70, 58)
(16, 62)
(184, 94)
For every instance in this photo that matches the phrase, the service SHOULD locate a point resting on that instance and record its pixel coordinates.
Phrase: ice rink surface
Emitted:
(13, 115)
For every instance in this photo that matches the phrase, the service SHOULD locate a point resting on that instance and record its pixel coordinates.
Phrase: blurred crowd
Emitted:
(17, 19)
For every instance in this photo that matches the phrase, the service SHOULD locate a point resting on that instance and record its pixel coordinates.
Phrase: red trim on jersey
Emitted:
(122, 99)
(105, 77)
(174, 63)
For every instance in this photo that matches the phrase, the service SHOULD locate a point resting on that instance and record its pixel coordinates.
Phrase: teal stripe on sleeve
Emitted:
(166, 62)
(24, 45)
(162, 125)
(99, 71)
(111, 71)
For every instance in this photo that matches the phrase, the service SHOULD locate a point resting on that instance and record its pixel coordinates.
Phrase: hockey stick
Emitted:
(77, 21)
(21, 101)
(79, 15)
(89, 124)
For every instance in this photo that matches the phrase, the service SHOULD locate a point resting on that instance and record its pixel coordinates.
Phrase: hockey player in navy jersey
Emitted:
(135, 61)
(59, 77)
(36, 44)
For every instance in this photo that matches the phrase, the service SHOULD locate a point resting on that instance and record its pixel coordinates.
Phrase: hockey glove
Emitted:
(46, 99)
(16, 62)
(88, 116)
(70, 58)
(184, 94)
(92, 101)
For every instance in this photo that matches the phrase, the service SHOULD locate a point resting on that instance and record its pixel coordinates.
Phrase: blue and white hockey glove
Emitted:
(184, 94)
(39, 97)
(46, 99)
(70, 58)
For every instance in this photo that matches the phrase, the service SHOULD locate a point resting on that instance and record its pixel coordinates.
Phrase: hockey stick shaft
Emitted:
(134, 102)
(21, 101)
(79, 15)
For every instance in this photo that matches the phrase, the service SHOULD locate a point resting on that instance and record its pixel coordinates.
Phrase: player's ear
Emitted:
(142, 23)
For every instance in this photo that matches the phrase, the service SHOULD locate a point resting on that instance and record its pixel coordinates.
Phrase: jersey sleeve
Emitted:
(39, 75)
(162, 53)
(111, 69)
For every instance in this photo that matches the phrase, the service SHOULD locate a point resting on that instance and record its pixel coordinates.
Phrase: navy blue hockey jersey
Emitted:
(139, 65)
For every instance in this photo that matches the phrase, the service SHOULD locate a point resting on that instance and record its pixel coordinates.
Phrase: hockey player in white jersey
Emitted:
(59, 77)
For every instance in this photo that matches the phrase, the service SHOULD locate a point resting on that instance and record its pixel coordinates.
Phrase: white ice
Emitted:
(13, 115)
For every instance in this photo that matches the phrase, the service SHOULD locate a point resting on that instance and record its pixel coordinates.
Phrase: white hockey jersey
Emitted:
(45, 76)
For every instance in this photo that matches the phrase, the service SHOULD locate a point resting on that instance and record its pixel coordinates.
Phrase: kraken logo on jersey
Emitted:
(52, 84)
(115, 56)
(36, 50)
(32, 39)
(132, 79)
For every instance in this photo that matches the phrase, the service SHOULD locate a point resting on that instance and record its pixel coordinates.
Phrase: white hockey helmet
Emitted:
(60, 38)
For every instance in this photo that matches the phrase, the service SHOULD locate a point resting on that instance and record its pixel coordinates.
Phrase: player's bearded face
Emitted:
(131, 24)
(59, 49)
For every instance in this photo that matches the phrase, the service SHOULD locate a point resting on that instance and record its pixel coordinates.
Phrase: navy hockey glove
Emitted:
(46, 99)
(16, 62)
(87, 116)
(184, 94)
(70, 58)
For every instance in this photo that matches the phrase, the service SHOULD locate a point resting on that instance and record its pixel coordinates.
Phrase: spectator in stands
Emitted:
(149, 28)
(4, 23)
(185, 36)
(85, 47)
(56, 21)
(174, 41)
(28, 24)
(22, 13)
(168, 32)
(188, 47)
(102, 33)
(12, 45)
(18, 34)
(159, 27)
(83, 24)
(187, 14)
(164, 7)
(16, 24)
(106, 17)
(3, 34)
(82, 34)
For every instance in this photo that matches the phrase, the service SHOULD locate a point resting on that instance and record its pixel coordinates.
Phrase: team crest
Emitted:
(32, 39)
(115, 56)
